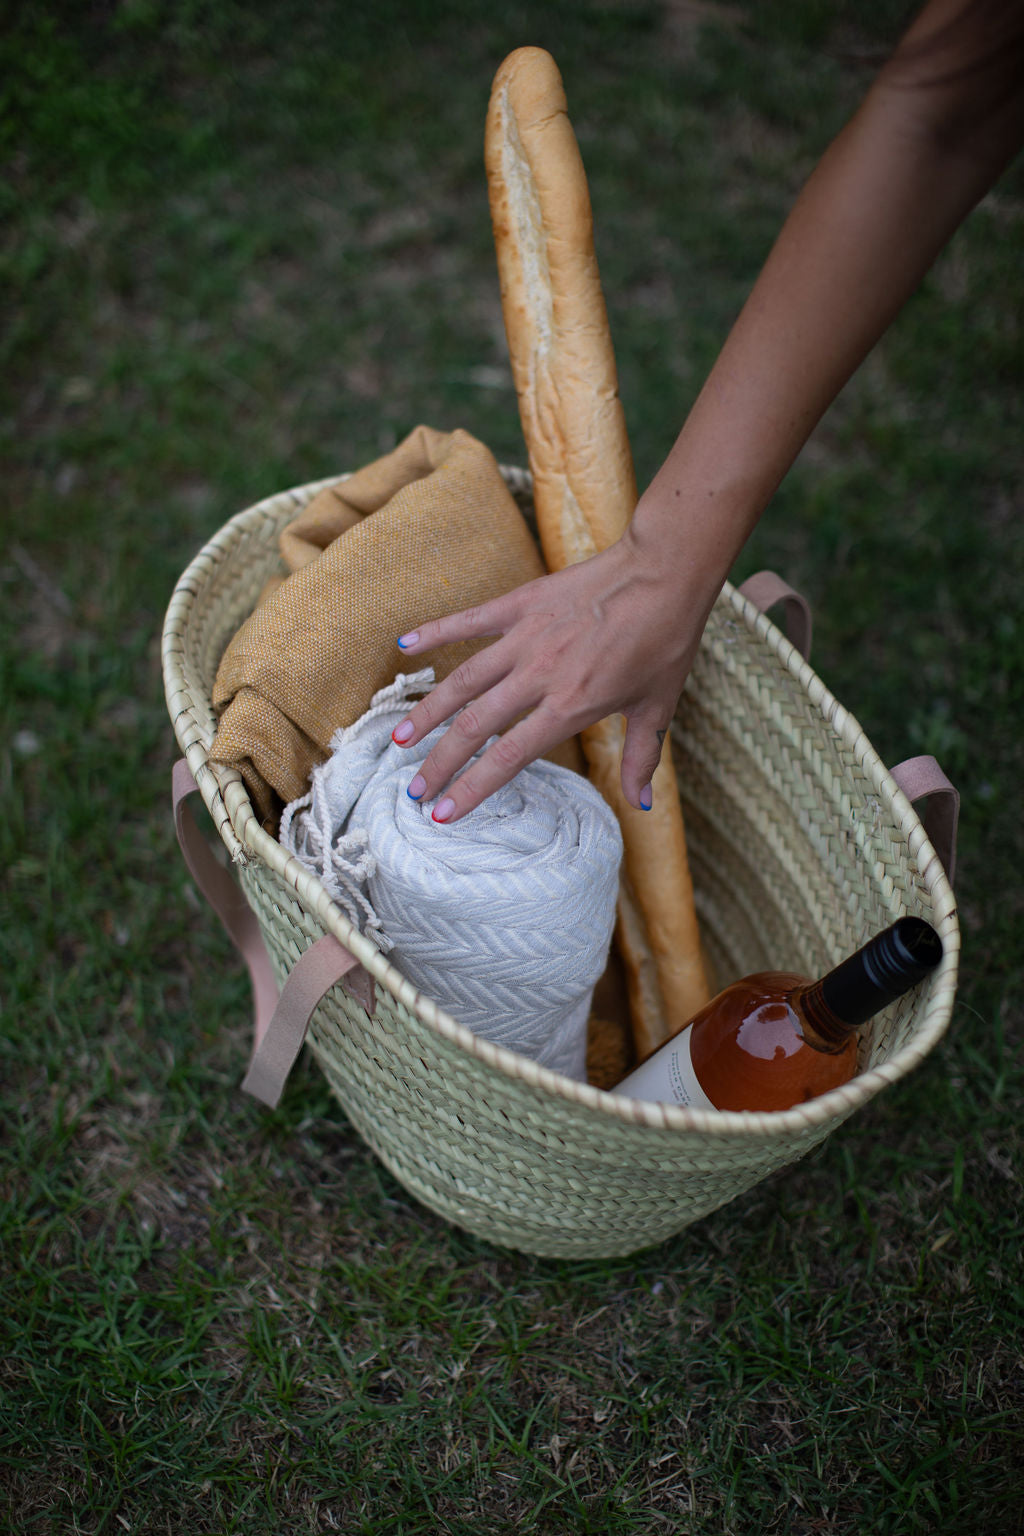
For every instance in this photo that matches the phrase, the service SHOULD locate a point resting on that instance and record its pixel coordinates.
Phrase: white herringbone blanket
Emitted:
(503, 918)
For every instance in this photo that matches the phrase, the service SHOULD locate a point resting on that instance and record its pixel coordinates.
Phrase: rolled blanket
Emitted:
(503, 918)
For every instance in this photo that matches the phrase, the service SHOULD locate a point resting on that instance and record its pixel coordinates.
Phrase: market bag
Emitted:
(801, 843)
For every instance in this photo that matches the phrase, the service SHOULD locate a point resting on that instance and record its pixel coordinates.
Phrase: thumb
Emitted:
(641, 754)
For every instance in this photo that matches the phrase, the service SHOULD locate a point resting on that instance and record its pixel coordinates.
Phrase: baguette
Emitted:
(563, 366)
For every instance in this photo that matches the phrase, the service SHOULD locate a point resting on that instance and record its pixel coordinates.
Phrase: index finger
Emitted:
(469, 624)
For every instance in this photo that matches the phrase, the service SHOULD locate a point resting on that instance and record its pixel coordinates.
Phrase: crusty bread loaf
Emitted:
(563, 365)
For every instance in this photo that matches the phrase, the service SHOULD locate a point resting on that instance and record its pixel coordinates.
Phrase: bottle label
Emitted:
(667, 1077)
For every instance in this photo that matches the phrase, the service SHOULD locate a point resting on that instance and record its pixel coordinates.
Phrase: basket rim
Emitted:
(227, 800)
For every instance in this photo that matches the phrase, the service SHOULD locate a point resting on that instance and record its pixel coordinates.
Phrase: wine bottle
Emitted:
(773, 1040)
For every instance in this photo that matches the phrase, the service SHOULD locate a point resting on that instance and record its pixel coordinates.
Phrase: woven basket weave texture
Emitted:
(801, 846)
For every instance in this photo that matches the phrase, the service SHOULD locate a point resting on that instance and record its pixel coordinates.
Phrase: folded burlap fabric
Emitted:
(503, 918)
(427, 530)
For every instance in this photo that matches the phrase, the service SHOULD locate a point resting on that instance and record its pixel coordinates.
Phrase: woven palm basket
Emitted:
(801, 846)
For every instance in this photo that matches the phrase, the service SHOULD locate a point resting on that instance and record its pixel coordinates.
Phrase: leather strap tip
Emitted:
(258, 1086)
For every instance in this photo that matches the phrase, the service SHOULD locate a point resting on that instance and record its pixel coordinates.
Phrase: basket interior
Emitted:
(795, 855)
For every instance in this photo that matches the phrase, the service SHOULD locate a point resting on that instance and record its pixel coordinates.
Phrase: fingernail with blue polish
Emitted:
(404, 641)
(416, 787)
(647, 797)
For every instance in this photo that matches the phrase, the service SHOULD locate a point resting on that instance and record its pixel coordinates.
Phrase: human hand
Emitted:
(615, 634)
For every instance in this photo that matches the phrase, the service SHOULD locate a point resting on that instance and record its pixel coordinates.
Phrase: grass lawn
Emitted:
(246, 247)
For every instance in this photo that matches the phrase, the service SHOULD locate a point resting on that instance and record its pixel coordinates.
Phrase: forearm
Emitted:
(881, 204)
(617, 634)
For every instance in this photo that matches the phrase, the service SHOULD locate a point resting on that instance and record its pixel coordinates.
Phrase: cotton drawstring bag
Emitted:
(505, 916)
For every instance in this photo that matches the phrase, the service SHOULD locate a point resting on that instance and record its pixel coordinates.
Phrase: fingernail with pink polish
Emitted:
(401, 733)
(647, 797)
(416, 787)
(411, 638)
(443, 809)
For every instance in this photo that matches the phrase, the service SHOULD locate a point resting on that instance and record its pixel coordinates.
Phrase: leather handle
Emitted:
(276, 1048)
(765, 589)
(224, 896)
(921, 778)
(280, 1019)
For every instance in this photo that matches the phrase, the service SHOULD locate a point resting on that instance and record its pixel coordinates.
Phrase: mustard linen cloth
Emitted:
(427, 530)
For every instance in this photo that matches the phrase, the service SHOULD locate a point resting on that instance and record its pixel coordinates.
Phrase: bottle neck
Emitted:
(821, 1027)
(887, 966)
